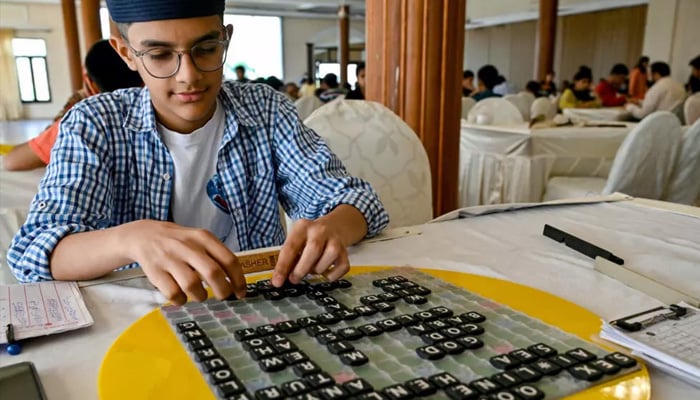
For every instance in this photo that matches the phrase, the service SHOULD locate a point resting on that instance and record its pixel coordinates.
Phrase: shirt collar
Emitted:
(236, 104)
(140, 114)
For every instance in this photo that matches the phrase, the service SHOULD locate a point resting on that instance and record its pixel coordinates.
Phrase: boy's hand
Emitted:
(311, 247)
(315, 246)
(177, 259)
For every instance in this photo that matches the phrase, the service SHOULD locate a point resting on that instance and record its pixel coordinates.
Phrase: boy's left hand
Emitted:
(311, 247)
(320, 246)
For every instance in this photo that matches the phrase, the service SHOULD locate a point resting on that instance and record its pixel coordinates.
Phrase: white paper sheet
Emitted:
(38, 309)
(673, 344)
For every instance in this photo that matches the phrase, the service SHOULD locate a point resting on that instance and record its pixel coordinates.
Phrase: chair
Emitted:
(543, 106)
(527, 98)
(642, 166)
(684, 186)
(307, 105)
(692, 109)
(495, 111)
(677, 110)
(467, 104)
(377, 146)
(520, 103)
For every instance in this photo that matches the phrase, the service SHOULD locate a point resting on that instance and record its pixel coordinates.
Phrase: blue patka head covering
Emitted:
(126, 11)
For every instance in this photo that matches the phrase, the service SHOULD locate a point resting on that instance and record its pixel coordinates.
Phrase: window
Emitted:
(328, 68)
(30, 59)
(256, 44)
(104, 22)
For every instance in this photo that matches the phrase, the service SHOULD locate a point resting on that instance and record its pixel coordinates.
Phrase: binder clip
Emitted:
(642, 320)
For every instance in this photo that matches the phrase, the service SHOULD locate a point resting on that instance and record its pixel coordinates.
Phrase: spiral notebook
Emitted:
(666, 337)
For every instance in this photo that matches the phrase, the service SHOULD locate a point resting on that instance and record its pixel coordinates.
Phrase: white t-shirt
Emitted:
(197, 198)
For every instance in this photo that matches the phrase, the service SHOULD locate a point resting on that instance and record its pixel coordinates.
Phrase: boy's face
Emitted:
(617, 80)
(467, 83)
(186, 100)
(582, 84)
(361, 79)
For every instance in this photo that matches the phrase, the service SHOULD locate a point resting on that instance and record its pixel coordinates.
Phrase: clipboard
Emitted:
(667, 337)
(645, 319)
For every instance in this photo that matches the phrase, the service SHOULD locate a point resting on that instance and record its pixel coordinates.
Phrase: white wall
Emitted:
(597, 39)
(296, 32)
(42, 21)
(672, 34)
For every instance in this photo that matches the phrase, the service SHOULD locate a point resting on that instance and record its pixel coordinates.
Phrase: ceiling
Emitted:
(479, 12)
(297, 8)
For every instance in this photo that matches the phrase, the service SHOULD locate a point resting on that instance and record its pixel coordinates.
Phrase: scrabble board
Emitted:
(390, 334)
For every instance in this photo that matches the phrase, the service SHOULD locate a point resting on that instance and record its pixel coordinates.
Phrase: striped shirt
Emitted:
(109, 167)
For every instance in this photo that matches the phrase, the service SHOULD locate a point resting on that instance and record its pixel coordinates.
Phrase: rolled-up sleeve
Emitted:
(73, 197)
(311, 178)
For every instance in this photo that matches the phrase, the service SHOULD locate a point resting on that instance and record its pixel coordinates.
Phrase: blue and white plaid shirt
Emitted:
(109, 167)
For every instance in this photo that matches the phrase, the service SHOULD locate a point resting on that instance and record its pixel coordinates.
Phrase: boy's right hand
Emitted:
(177, 259)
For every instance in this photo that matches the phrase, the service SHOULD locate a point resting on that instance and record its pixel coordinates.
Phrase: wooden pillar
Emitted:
(546, 36)
(70, 28)
(414, 66)
(310, 62)
(90, 13)
(344, 46)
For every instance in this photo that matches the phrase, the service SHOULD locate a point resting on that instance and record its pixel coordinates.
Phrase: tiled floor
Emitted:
(16, 132)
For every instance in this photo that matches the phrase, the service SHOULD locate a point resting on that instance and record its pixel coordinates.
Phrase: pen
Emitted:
(580, 245)
(13, 348)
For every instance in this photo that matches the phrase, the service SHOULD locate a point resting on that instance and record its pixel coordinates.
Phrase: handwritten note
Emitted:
(37, 309)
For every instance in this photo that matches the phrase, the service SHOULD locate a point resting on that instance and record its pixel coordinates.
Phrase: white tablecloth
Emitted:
(512, 164)
(508, 245)
(16, 132)
(597, 114)
(17, 190)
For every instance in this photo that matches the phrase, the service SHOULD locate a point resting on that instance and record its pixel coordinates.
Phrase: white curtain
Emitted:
(10, 102)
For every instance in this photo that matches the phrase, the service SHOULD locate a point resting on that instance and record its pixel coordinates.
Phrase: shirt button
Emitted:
(166, 176)
(41, 205)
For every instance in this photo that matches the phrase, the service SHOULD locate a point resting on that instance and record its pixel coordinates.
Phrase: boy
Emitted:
(359, 92)
(176, 176)
(488, 78)
(607, 89)
(104, 72)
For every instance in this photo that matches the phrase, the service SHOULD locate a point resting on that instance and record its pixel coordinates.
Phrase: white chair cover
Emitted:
(573, 187)
(495, 111)
(684, 186)
(520, 103)
(642, 167)
(527, 96)
(307, 105)
(553, 107)
(543, 106)
(376, 145)
(467, 104)
(677, 110)
(645, 161)
(527, 99)
(692, 109)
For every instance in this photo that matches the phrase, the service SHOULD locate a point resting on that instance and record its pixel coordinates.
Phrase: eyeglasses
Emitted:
(162, 62)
